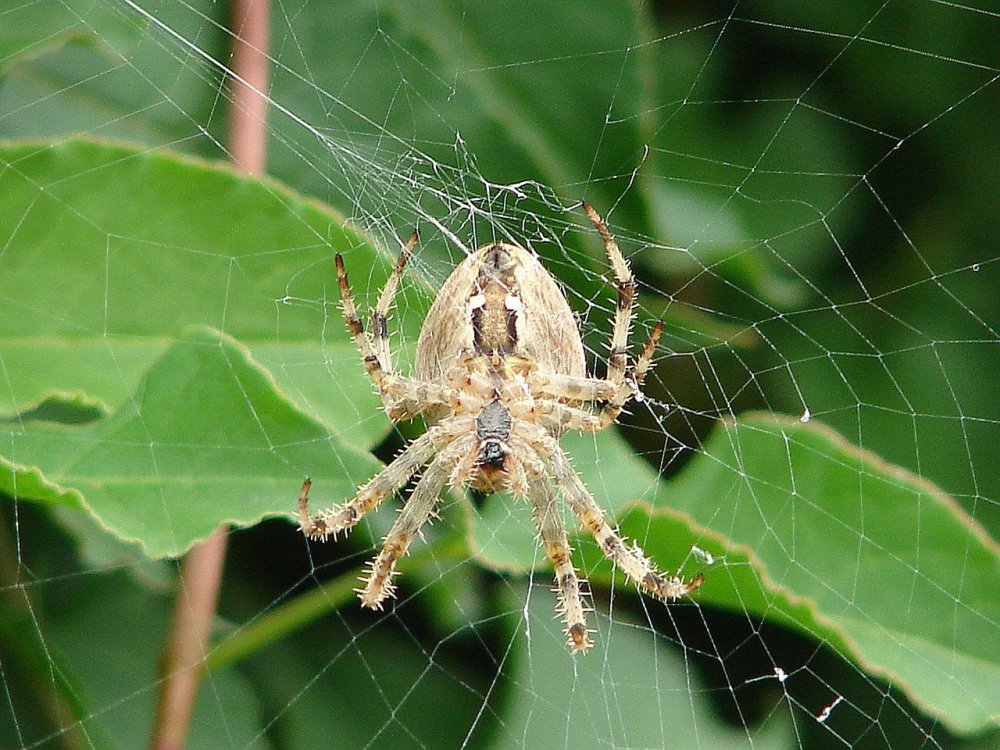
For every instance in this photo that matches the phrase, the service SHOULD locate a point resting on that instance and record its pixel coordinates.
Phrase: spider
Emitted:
(499, 375)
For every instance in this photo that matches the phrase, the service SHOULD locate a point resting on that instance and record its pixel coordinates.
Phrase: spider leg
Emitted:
(404, 398)
(373, 366)
(634, 379)
(379, 320)
(556, 417)
(622, 382)
(613, 396)
(625, 284)
(414, 514)
(331, 522)
(571, 388)
(553, 535)
(628, 558)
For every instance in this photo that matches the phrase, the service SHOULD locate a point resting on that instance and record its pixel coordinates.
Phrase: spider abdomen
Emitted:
(500, 301)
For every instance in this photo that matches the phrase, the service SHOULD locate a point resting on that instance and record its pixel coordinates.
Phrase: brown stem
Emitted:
(248, 104)
(183, 660)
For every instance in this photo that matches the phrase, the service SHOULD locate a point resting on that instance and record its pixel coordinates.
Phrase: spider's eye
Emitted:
(492, 454)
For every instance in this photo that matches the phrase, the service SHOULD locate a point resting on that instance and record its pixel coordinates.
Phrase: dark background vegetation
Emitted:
(808, 195)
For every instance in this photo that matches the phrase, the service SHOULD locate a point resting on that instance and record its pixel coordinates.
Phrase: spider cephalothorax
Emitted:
(499, 375)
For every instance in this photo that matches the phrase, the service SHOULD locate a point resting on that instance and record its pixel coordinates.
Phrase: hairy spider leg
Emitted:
(373, 366)
(625, 285)
(403, 397)
(612, 395)
(553, 536)
(414, 514)
(628, 558)
(557, 417)
(341, 518)
(380, 315)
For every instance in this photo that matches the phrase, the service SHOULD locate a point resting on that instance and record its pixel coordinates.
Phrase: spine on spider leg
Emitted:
(552, 535)
(571, 607)
(378, 576)
(618, 356)
(645, 360)
(631, 560)
(668, 588)
(631, 385)
(413, 515)
(343, 517)
(373, 365)
(656, 583)
(329, 523)
(625, 286)
(380, 315)
(569, 594)
(378, 585)
(314, 527)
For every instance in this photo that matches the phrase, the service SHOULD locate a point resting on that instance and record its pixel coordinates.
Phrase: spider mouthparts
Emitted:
(492, 455)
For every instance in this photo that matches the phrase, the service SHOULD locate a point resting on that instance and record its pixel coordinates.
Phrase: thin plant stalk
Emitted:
(183, 662)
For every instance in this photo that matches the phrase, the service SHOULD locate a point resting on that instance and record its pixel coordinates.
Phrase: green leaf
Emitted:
(810, 532)
(106, 68)
(33, 29)
(628, 692)
(111, 251)
(865, 555)
(94, 303)
(206, 439)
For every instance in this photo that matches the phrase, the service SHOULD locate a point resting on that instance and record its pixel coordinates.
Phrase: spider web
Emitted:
(807, 197)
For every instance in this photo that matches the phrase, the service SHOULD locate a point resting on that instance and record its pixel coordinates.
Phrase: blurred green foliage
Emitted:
(807, 193)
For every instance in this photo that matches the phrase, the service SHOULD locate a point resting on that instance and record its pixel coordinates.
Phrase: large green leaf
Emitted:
(633, 693)
(816, 534)
(811, 532)
(905, 577)
(110, 254)
(110, 251)
(205, 439)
